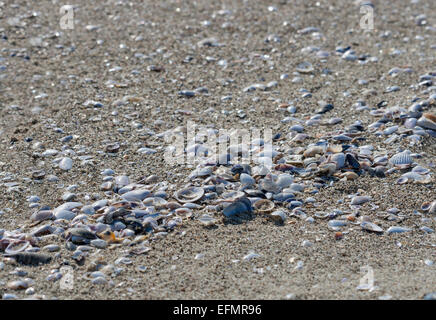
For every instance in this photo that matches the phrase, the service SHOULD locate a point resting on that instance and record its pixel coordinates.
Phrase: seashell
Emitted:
(254, 193)
(321, 215)
(184, 213)
(402, 180)
(38, 174)
(66, 163)
(190, 194)
(352, 161)
(201, 172)
(17, 246)
(284, 180)
(339, 159)
(358, 200)
(312, 151)
(349, 175)
(17, 285)
(241, 205)
(372, 227)
(41, 215)
(337, 223)
(304, 67)
(278, 216)
(402, 158)
(300, 137)
(136, 195)
(264, 205)
(31, 258)
(268, 185)
(327, 168)
(427, 121)
(334, 148)
(251, 255)
(284, 197)
(122, 181)
(207, 220)
(246, 180)
(420, 170)
(430, 207)
(397, 230)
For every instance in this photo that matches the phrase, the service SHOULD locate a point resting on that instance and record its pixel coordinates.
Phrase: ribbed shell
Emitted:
(401, 158)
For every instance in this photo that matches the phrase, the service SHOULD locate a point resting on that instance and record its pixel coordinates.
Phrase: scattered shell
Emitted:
(190, 194)
(358, 200)
(264, 206)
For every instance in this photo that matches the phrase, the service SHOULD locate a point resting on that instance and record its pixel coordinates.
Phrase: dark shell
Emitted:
(241, 205)
(352, 161)
(31, 258)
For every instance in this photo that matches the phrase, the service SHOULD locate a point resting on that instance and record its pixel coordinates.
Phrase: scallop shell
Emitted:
(264, 206)
(190, 194)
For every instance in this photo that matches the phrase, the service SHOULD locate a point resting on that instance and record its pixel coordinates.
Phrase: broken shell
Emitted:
(264, 205)
(190, 194)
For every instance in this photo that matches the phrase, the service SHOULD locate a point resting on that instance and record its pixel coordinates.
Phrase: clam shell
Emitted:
(190, 194)
(264, 206)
